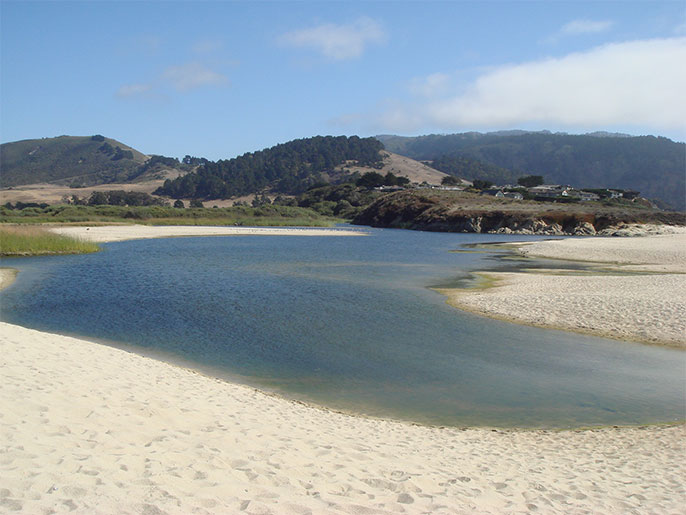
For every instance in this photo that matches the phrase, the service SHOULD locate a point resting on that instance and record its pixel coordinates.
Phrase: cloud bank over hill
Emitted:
(634, 83)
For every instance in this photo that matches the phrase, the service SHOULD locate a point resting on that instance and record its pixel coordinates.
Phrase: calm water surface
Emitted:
(347, 322)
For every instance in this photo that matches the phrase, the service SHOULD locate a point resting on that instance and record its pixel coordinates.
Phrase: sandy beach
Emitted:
(637, 293)
(106, 233)
(87, 428)
(92, 429)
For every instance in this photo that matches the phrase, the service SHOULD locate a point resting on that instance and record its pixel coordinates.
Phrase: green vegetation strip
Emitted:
(33, 241)
(161, 215)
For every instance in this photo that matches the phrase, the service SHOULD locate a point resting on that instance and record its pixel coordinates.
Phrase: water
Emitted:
(347, 322)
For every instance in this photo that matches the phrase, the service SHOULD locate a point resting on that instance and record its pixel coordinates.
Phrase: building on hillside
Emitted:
(494, 192)
(389, 188)
(587, 196)
(514, 195)
(550, 191)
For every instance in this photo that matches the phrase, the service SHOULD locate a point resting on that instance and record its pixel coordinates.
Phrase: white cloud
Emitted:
(182, 78)
(585, 27)
(637, 83)
(338, 41)
(191, 76)
(430, 86)
(132, 90)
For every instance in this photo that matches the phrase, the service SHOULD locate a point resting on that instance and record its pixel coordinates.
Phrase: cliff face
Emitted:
(428, 211)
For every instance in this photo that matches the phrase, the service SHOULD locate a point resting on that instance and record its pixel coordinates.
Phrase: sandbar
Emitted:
(635, 289)
(107, 233)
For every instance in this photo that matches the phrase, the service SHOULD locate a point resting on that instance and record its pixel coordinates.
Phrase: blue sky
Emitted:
(217, 79)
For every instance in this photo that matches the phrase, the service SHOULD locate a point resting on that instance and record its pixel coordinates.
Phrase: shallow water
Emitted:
(347, 322)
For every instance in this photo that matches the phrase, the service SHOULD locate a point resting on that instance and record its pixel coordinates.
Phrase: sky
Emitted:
(216, 79)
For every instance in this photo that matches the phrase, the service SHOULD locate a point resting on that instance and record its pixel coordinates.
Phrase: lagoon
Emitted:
(346, 322)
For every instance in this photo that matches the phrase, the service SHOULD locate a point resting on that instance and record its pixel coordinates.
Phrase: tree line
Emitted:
(116, 198)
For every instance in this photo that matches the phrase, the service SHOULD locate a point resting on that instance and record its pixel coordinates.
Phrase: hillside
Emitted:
(655, 166)
(50, 169)
(288, 168)
(401, 166)
(68, 160)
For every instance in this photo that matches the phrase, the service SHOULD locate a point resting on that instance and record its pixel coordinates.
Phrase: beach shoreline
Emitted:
(96, 429)
(634, 289)
(103, 430)
(111, 233)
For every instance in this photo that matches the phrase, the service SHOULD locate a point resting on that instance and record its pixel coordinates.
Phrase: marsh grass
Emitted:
(31, 241)
(159, 215)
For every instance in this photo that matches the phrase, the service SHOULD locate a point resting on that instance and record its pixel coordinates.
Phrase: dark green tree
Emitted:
(530, 181)
(482, 185)
(371, 180)
(178, 203)
(98, 198)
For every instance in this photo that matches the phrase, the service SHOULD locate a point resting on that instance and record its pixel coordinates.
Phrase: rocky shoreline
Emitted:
(436, 213)
(503, 224)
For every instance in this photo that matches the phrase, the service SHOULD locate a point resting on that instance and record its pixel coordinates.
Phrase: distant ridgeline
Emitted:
(286, 168)
(655, 166)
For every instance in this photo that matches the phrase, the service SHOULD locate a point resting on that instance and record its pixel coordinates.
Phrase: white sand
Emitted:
(105, 233)
(94, 429)
(661, 253)
(650, 307)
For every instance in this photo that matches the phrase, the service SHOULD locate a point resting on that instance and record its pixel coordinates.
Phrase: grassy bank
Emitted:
(160, 215)
(32, 241)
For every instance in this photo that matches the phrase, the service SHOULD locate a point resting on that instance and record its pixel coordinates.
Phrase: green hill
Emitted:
(286, 168)
(655, 166)
(77, 160)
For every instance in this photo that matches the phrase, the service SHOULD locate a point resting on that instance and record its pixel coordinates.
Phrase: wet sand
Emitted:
(637, 293)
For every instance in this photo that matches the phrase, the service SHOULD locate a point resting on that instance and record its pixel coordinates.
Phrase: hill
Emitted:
(655, 166)
(285, 168)
(77, 160)
(50, 169)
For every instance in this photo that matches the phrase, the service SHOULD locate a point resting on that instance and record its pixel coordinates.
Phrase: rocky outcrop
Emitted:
(426, 213)
(534, 226)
